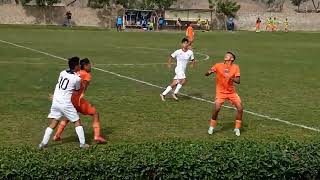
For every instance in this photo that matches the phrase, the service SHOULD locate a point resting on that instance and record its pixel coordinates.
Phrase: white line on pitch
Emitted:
(153, 85)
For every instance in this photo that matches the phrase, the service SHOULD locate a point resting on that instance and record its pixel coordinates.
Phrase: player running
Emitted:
(274, 24)
(190, 34)
(61, 106)
(183, 57)
(258, 23)
(227, 73)
(269, 24)
(82, 105)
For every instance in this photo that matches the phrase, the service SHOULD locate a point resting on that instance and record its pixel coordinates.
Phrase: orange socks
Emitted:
(96, 128)
(61, 127)
(238, 124)
(213, 123)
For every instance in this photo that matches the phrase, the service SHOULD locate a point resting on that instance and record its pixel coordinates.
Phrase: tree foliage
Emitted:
(146, 4)
(227, 7)
(297, 3)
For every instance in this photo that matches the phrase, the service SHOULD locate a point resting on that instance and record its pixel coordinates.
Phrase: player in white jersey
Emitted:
(183, 57)
(62, 106)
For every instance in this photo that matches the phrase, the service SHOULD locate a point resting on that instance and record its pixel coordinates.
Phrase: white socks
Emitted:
(46, 136)
(80, 134)
(179, 86)
(169, 88)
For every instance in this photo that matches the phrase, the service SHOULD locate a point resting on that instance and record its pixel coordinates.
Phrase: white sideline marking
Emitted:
(153, 85)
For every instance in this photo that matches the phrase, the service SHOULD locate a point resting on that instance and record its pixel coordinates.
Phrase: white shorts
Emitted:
(179, 75)
(59, 110)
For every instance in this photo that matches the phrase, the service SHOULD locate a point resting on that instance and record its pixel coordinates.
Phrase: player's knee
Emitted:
(240, 109)
(93, 112)
(64, 122)
(77, 123)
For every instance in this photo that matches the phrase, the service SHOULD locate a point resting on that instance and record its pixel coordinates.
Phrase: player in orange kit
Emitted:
(258, 23)
(82, 105)
(190, 34)
(227, 73)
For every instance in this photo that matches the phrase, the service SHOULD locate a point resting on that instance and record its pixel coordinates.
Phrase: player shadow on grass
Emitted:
(89, 137)
(227, 126)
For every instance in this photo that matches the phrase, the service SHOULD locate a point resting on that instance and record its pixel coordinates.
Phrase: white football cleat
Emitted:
(175, 97)
(237, 131)
(84, 146)
(210, 130)
(42, 146)
(162, 97)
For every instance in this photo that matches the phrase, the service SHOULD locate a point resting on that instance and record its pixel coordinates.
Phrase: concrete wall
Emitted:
(16, 14)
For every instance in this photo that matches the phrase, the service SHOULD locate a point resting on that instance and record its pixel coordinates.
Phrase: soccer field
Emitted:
(279, 84)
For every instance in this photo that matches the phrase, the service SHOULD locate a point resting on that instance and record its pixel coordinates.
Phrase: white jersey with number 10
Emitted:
(68, 82)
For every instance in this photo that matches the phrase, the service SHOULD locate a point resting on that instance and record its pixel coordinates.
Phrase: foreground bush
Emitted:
(171, 160)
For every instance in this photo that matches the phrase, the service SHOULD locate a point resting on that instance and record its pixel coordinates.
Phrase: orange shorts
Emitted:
(85, 107)
(190, 38)
(233, 98)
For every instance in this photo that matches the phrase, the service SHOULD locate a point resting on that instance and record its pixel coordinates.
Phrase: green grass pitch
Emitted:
(279, 78)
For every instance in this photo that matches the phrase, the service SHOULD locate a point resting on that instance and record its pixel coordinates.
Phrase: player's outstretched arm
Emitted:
(170, 62)
(193, 63)
(208, 73)
(236, 80)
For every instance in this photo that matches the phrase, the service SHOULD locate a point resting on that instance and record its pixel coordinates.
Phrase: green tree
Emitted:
(164, 4)
(147, 4)
(211, 4)
(314, 5)
(229, 8)
(129, 4)
(297, 3)
(98, 3)
(47, 2)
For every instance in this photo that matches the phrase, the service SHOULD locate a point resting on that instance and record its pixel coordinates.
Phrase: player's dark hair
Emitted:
(73, 62)
(83, 62)
(234, 56)
(185, 40)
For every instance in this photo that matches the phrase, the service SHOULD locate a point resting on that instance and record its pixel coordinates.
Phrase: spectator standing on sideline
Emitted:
(119, 23)
(161, 22)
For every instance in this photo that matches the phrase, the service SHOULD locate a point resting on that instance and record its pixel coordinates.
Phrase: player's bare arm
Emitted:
(193, 63)
(208, 73)
(236, 80)
(170, 62)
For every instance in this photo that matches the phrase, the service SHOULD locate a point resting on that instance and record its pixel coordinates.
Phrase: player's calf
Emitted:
(96, 129)
(47, 134)
(61, 127)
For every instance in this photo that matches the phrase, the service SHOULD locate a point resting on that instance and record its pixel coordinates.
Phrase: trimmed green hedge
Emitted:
(241, 159)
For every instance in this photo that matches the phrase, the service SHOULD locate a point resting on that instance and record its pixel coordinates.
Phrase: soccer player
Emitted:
(274, 24)
(258, 23)
(227, 73)
(183, 57)
(286, 25)
(190, 34)
(61, 103)
(82, 105)
(269, 24)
